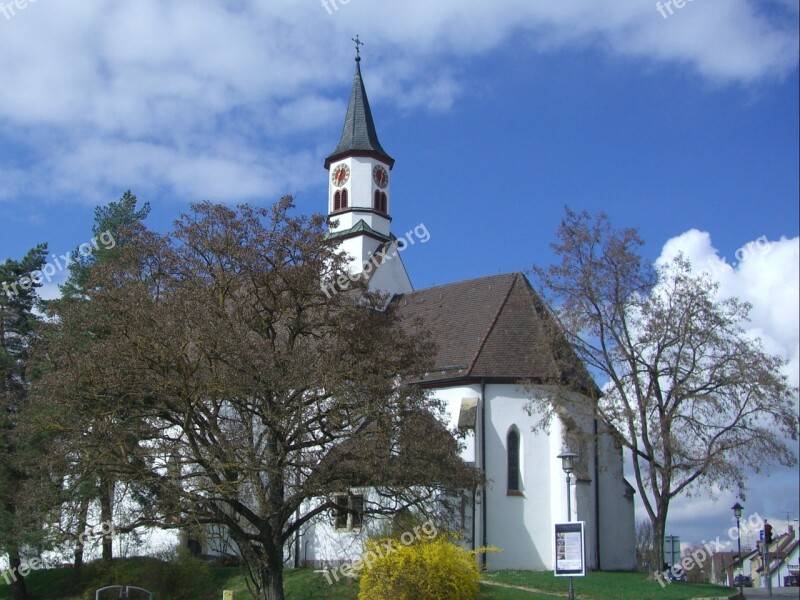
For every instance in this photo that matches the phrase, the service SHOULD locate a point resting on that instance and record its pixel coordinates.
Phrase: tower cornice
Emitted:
(384, 158)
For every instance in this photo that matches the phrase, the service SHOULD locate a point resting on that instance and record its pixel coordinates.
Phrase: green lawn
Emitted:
(609, 586)
(190, 581)
(193, 581)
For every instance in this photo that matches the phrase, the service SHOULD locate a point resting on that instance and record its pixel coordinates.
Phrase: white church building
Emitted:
(492, 358)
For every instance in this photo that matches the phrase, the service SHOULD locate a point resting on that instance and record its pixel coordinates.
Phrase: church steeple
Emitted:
(359, 184)
(359, 137)
(359, 196)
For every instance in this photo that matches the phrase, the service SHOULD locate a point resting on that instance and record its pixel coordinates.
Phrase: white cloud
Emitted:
(765, 273)
(144, 92)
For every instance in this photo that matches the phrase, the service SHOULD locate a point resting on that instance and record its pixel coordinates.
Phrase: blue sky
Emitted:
(498, 114)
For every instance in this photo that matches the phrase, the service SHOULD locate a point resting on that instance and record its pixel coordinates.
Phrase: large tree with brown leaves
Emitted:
(244, 396)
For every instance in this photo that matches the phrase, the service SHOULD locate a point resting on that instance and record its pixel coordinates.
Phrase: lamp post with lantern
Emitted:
(568, 465)
(737, 512)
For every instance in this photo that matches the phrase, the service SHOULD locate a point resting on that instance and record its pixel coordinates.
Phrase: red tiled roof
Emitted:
(492, 327)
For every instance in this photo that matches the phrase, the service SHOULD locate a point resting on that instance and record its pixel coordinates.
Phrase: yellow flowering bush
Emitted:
(433, 569)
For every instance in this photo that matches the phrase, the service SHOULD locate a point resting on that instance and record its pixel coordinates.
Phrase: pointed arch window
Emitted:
(512, 450)
(344, 198)
(380, 203)
(337, 201)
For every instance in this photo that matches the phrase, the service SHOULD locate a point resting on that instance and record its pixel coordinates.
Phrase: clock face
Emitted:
(340, 175)
(380, 176)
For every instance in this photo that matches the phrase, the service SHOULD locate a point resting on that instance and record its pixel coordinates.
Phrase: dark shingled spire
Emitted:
(359, 137)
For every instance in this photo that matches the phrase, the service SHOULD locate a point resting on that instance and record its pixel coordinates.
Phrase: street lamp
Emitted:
(737, 512)
(568, 465)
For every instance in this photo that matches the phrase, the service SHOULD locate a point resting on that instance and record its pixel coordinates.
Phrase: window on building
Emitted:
(337, 201)
(344, 199)
(356, 511)
(512, 448)
(349, 512)
(380, 202)
(194, 546)
(340, 512)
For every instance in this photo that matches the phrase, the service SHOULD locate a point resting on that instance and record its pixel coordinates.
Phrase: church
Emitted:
(492, 359)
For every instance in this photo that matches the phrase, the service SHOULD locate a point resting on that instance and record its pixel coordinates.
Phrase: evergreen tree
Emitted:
(86, 484)
(18, 327)
(111, 225)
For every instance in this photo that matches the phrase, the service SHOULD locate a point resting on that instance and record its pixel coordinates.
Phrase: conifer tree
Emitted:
(18, 328)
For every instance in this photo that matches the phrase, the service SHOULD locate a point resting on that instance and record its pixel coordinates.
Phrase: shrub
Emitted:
(435, 569)
(182, 578)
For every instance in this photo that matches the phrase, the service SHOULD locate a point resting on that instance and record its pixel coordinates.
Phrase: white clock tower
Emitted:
(359, 194)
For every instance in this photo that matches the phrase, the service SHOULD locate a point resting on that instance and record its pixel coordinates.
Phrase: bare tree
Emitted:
(644, 545)
(695, 400)
(252, 398)
(700, 569)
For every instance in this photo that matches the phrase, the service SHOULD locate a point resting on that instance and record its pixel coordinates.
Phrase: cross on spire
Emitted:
(359, 43)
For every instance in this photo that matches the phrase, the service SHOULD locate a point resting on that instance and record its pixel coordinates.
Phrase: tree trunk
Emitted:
(17, 580)
(272, 583)
(659, 527)
(83, 516)
(107, 514)
(271, 568)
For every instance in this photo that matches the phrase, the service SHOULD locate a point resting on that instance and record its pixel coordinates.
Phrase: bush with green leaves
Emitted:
(183, 577)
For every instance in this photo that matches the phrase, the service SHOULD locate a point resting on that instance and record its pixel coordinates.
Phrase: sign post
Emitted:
(766, 569)
(570, 559)
(672, 550)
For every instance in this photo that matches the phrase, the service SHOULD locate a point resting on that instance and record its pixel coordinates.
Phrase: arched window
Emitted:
(512, 448)
(337, 201)
(380, 204)
(344, 199)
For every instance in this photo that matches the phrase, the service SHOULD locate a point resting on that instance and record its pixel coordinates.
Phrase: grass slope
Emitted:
(609, 586)
(190, 580)
(184, 580)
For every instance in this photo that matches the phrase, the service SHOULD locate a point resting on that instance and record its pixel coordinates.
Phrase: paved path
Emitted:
(524, 589)
(748, 592)
(776, 593)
